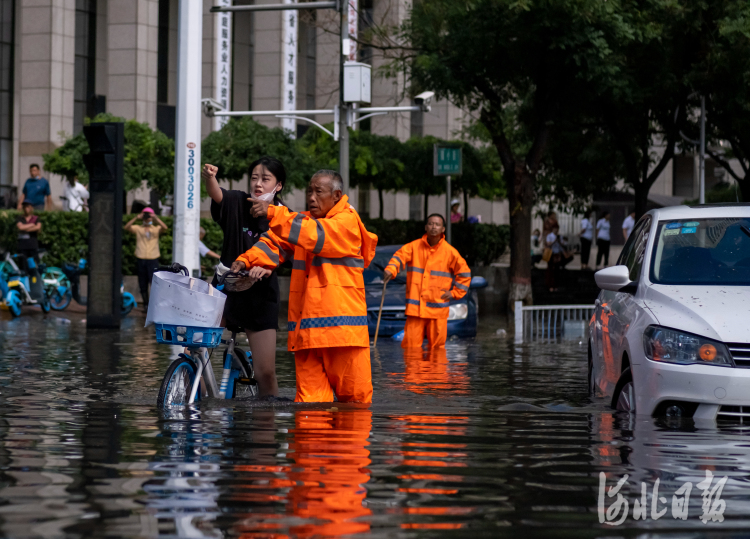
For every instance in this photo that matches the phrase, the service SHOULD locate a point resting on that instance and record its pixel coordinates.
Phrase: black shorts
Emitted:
(255, 309)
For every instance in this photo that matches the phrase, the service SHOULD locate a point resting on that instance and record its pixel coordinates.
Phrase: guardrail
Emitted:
(547, 321)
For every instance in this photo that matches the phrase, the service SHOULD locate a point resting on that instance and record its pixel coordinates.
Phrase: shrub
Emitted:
(65, 237)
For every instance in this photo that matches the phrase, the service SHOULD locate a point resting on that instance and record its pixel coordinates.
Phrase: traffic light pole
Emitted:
(187, 160)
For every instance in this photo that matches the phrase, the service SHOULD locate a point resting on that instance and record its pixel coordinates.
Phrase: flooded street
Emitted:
(487, 439)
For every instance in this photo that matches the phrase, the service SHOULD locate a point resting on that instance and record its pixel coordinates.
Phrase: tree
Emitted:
(526, 61)
(149, 156)
(243, 140)
(723, 76)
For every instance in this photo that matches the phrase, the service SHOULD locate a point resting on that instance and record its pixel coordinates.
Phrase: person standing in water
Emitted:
(256, 310)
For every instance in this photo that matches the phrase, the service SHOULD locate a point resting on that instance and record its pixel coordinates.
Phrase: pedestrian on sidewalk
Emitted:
(602, 240)
(76, 196)
(587, 237)
(36, 190)
(552, 241)
(146, 247)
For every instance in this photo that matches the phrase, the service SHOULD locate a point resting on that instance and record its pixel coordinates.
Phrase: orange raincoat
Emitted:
(430, 272)
(327, 306)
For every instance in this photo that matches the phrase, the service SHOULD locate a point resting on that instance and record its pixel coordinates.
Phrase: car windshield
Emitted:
(702, 252)
(374, 272)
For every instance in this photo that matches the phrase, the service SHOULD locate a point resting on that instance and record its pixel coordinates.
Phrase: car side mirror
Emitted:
(615, 279)
(478, 282)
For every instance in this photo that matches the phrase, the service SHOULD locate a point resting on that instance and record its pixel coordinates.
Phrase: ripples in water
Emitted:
(486, 438)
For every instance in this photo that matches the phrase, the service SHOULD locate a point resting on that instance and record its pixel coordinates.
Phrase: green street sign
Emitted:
(447, 160)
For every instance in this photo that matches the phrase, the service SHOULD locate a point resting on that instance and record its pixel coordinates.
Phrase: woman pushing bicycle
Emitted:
(255, 310)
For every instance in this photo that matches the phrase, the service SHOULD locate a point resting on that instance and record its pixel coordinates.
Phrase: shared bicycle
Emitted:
(190, 377)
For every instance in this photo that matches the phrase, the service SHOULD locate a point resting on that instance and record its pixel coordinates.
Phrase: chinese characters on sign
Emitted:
(289, 31)
(222, 62)
(614, 515)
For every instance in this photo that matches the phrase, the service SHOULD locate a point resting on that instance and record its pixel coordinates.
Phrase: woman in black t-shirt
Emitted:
(255, 310)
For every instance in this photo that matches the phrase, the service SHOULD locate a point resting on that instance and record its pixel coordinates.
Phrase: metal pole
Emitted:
(343, 112)
(448, 208)
(702, 196)
(187, 160)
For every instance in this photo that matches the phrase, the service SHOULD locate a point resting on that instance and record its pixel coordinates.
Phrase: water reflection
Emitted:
(483, 438)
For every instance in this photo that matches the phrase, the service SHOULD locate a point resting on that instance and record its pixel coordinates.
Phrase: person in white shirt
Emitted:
(627, 225)
(602, 240)
(75, 195)
(587, 238)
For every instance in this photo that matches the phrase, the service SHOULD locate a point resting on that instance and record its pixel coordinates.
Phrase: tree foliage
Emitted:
(243, 140)
(149, 156)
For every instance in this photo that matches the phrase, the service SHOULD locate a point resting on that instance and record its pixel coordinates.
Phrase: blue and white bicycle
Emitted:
(190, 378)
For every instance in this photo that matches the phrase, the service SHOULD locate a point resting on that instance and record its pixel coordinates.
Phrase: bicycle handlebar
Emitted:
(237, 274)
(175, 268)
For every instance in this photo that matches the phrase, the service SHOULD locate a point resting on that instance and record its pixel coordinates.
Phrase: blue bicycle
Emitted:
(190, 378)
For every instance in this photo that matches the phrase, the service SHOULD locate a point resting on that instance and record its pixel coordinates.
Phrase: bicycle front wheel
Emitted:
(177, 383)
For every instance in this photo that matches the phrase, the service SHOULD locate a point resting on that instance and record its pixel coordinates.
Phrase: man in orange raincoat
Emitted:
(329, 248)
(436, 274)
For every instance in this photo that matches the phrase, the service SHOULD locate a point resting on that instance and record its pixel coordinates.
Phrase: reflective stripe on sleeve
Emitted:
(467, 275)
(415, 268)
(296, 228)
(321, 238)
(412, 301)
(299, 265)
(400, 263)
(441, 274)
(437, 305)
(332, 321)
(267, 250)
(461, 286)
(348, 261)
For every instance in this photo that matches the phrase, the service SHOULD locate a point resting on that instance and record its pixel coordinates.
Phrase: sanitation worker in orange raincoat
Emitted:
(329, 248)
(435, 274)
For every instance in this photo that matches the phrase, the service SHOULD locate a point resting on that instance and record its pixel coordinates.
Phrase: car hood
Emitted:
(717, 312)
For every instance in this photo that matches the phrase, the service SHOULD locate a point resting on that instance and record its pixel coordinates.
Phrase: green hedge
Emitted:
(65, 237)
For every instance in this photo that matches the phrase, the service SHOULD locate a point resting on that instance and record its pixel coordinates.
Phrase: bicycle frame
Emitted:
(203, 361)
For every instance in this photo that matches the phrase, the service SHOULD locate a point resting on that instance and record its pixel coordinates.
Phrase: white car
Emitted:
(670, 333)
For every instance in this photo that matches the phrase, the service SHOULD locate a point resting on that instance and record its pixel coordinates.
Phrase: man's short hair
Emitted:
(32, 165)
(337, 182)
(435, 215)
(26, 203)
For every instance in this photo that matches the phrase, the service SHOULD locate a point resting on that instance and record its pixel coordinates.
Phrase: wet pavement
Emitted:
(489, 439)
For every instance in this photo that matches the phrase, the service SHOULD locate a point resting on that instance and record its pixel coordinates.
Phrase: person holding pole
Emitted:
(436, 274)
(256, 310)
(329, 248)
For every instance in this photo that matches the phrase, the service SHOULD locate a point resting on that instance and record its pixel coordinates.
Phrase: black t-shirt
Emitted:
(27, 240)
(241, 229)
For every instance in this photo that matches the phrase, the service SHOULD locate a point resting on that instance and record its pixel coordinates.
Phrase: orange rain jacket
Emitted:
(327, 306)
(430, 271)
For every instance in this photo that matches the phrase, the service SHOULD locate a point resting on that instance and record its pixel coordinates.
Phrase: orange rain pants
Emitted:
(416, 329)
(344, 370)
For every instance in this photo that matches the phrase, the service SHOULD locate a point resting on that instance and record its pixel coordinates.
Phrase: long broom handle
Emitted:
(380, 312)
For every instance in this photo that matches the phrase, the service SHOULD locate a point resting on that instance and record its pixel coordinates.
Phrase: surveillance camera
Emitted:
(423, 100)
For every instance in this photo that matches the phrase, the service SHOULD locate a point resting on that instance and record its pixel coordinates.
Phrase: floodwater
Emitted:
(490, 439)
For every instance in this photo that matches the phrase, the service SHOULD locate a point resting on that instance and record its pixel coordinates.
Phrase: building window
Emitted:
(85, 67)
(162, 59)
(6, 94)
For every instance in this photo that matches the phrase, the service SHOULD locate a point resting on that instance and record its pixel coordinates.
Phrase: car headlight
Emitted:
(459, 311)
(672, 346)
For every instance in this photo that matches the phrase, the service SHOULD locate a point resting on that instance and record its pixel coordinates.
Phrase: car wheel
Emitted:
(623, 399)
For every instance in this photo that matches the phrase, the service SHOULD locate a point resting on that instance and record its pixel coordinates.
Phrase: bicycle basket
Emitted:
(188, 336)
